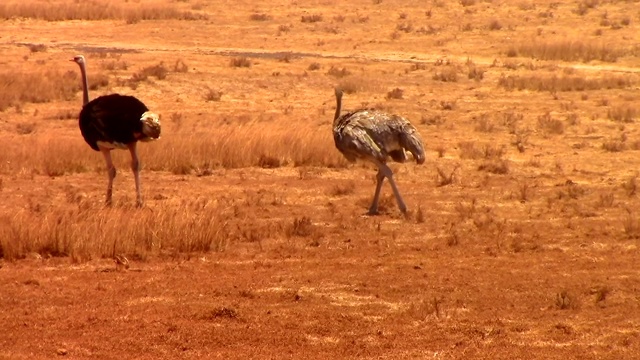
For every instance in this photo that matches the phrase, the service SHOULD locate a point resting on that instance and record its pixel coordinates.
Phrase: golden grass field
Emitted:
(524, 223)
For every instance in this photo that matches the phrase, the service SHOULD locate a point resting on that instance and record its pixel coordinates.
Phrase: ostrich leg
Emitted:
(135, 167)
(111, 170)
(385, 171)
(373, 209)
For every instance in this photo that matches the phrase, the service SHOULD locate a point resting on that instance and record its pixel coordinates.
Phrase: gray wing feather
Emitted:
(372, 134)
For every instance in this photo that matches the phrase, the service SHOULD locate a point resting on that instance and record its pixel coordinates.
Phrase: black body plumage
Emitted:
(112, 119)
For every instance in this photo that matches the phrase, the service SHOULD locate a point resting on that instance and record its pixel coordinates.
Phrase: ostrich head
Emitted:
(150, 126)
(78, 59)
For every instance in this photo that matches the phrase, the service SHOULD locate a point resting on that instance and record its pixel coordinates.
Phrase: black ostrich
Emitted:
(116, 122)
(375, 136)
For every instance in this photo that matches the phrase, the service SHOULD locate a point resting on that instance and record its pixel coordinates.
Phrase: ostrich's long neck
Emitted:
(85, 85)
(338, 107)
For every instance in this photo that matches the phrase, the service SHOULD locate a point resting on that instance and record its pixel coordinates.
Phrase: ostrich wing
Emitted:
(375, 135)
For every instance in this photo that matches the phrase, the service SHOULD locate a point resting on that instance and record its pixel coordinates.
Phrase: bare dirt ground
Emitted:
(529, 249)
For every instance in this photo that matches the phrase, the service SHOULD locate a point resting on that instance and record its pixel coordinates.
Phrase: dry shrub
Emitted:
(311, 18)
(212, 95)
(416, 66)
(443, 178)
(240, 62)
(631, 186)
(180, 66)
(614, 145)
(314, 66)
(37, 48)
(495, 166)
(563, 83)
(352, 85)
(259, 17)
(404, 27)
(471, 150)
(343, 189)
(550, 125)
(567, 50)
(494, 25)
(285, 57)
(396, 93)
(283, 29)
(24, 128)
(631, 225)
(623, 113)
(158, 71)
(91, 10)
(606, 200)
(301, 227)
(475, 73)
(484, 124)
(584, 6)
(114, 65)
(337, 72)
(447, 74)
(565, 300)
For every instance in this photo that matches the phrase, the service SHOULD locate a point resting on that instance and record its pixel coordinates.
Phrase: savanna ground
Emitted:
(522, 236)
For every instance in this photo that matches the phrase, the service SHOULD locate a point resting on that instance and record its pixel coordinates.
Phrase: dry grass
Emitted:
(623, 113)
(94, 10)
(563, 83)
(183, 153)
(240, 62)
(258, 141)
(567, 50)
(37, 87)
(84, 233)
